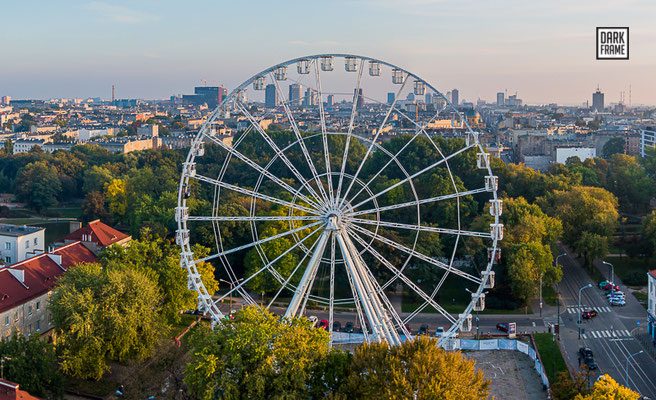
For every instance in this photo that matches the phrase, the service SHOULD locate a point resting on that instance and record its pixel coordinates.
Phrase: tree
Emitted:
(630, 183)
(417, 369)
(103, 314)
(9, 146)
(93, 207)
(159, 260)
(648, 234)
(38, 185)
(526, 263)
(613, 146)
(95, 179)
(117, 198)
(255, 356)
(565, 388)
(606, 388)
(33, 364)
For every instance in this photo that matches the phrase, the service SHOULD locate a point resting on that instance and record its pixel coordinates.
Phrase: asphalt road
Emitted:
(608, 334)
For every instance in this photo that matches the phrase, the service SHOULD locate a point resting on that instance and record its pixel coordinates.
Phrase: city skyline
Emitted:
(544, 53)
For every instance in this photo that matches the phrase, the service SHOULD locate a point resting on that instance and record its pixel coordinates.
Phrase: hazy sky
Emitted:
(543, 50)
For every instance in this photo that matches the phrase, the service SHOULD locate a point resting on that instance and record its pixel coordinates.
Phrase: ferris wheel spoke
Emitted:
(418, 202)
(399, 274)
(416, 174)
(263, 171)
(277, 150)
(350, 130)
(373, 142)
(255, 243)
(331, 305)
(268, 266)
(249, 192)
(394, 158)
(324, 137)
(416, 254)
(301, 142)
(421, 228)
(255, 218)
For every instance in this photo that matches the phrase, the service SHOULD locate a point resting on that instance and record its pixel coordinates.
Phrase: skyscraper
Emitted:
(428, 98)
(454, 96)
(390, 98)
(501, 99)
(311, 98)
(271, 96)
(295, 91)
(330, 100)
(598, 101)
(360, 98)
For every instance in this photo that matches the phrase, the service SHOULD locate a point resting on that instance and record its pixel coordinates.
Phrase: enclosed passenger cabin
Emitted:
(303, 67)
(259, 83)
(280, 73)
(374, 68)
(397, 76)
(327, 63)
(351, 64)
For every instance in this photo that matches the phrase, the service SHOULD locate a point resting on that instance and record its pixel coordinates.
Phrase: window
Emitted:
(7, 320)
(8, 245)
(8, 260)
(27, 244)
(38, 326)
(29, 310)
(36, 241)
(38, 305)
(29, 330)
(16, 317)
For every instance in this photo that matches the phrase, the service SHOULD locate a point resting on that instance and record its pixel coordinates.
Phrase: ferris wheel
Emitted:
(346, 198)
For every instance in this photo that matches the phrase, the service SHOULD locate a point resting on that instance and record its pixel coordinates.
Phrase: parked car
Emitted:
(617, 302)
(439, 331)
(323, 324)
(502, 326)
(603, 284)
(337, 326)
(586, 352)
(615, 296)
(611, 286)
(423, 330)
(348, 328)
(588, 314)
(590, 362)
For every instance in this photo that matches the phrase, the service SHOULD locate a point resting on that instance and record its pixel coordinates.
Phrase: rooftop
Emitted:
(653, 273)
(18, 230)
(101, 234)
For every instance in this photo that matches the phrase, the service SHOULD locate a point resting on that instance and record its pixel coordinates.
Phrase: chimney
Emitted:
(8, 389)
(73, 226)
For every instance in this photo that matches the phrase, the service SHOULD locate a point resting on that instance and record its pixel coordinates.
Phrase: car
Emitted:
(439, 331)
(588, 314)
(423, 330)
(502, 326)
(586, 352)
(603, 284)
(611, 286)
(323, 324)
(348, 328)
(313, 320)
(617, 302)
(615, 296)
(614, 293)
(590, 363)
(337, 326)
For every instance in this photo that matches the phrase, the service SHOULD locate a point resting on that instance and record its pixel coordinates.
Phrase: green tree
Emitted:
(630, 183)
(93, 207)
(526, 263)
(33, 364)
(103, 314)
(648, 234)
(117, 198)
(38, 185)
(606, 388)
(566, 388)
(95, 179)
(613, 146)
(9, 146)
(417, 369)
(255, 357)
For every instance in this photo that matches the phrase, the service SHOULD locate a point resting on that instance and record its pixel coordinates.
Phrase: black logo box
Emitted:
(597, 42)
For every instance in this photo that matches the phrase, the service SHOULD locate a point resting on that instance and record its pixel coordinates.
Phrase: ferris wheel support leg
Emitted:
(308, 276)
(378, 317)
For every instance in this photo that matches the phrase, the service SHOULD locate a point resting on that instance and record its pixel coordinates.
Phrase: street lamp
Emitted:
(612, 271)
(231, 285)
(2, 366)
(558, 297)
(589, 285)
(627, 367)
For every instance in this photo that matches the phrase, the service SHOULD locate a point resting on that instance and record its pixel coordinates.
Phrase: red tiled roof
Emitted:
(40, 274)
(653, 273)
(102, 234)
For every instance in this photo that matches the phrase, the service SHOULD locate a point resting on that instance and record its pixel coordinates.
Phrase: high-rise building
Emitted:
(295, 91)
(360, 98)
(598, 101)
(501, 99)
(210, 95)
(390, 98)
(271, 96)
(429, 98)
(311, 98)
(5, 100)
(330, 100)
(454, 96)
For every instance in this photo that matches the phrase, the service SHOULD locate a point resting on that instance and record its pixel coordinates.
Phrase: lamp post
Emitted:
(558, 298)
(589, 285)
(540, 295)
(627, 367)
(612, 271)
(2, 366)
(231, 285)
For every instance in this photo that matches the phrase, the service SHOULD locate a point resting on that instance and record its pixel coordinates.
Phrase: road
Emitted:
(609, 335)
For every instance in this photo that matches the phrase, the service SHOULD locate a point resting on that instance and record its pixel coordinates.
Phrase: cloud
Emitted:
(118, 13)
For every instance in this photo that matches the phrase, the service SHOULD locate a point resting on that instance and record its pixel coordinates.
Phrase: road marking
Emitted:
(593, 334)
(533, 323)
(583, 335)
(606, 334)
(570, 311)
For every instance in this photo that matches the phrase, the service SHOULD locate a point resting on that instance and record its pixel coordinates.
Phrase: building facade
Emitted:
(651, 303)
(271, 96)
(295, 91)
(598, 101)
(19, 242)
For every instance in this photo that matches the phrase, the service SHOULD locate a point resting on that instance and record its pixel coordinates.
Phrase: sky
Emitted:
(152, 49)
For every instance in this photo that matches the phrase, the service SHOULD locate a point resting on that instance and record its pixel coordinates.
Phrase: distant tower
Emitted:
(330, 100)
(390, 98)
(359, 99)
(271, 96)
(454, 96)
(501, 99)
(113, 94)
(598, 101)
(295, 91)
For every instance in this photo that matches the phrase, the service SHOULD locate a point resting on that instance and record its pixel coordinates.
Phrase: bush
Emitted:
(635, 278)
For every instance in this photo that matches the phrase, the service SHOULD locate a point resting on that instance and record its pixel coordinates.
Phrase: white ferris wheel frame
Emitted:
(324, 210)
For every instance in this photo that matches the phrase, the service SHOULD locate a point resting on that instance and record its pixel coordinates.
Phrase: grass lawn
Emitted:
(643, 298)
(547, 350)
(632, 271)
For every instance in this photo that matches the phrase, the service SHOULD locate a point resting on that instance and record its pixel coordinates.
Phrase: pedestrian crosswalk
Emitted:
(575, 309)
(606, 334)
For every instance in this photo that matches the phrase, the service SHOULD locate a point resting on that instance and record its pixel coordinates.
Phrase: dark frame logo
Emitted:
(612, 43)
